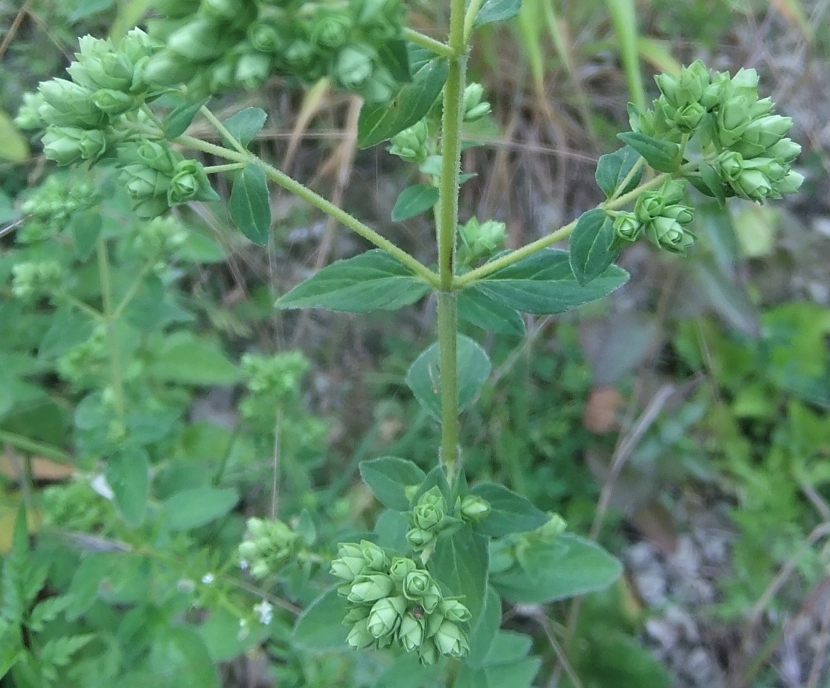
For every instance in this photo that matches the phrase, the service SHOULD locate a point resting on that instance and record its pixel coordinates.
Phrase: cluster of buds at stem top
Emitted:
(267, 547)
(428, 518)
(661, 216)
(82, 115)
(49, 206)
(393, 600)
(736, 131)
(480, 240)
(215, 45)
(157, 177)
(34, 280)
(412, 144)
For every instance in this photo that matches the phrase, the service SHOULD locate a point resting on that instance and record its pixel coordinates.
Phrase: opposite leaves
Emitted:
(371, 281)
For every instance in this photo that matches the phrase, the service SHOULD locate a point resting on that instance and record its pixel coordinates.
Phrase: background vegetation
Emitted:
(683, 422)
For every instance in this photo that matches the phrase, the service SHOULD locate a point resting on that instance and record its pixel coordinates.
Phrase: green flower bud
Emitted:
(28, 116)
(772, 169)
(267, 34)
(221, 76)
(249, 550)
(137, 46)
(348, 568)
(221, 10)
(113, 102)
(360, 637)
(381, 86)
(166, 68)
(370, 588)
(745, 81)
(473, 508)
(427, 516)
(374, 556)
(411, 632)
(331, 30)
(356, 614)
(753, 185)
(428, 652)
(763, 133)
(300, 58)
(555, 526)
(201, 40)
(32, 280)
(649, 205)
(729, 165)
(481, 240)
(418, 539)
(418, 586)
(627, 227)
(433, 497)
(149, 208)
(474, 107)
(669, 234)
(682, 213)
(673, 191)
(257, 527)
(69, 105)
(786, 150)
(401, 568)
(152, 154)
(354, 66)
(451, 639)
(100, 65)
(410, 144)
(733, 117)
(790, 183)
(410, 491)
(142, 182)
(689, 117)
(252, 70)
(455, 611)
(385, 616)
(67, 145)
(189, 183)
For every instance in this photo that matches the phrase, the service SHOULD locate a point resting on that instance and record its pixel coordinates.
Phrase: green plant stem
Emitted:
(230, 167)
(446, 230)
(316, 200)
(80, 305)
(223, 130)
(560, 234)
(34, 447)
(112, 339)
(470, 18)
(134, 287)
(427, 42)
(634, 169)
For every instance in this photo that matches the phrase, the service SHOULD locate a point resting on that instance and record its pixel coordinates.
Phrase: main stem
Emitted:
(447, 225)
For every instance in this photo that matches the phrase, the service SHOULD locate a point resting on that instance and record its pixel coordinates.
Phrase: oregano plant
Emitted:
(427, 583)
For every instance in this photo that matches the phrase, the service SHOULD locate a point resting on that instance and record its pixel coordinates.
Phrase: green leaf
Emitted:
(320, 626)
(16, 570)
(424, 375)
(496, 11)
(220, 634)
(507, 647)
(395, 56)
(482, 311)
(591, 247)
(15, 147)
(437, 477)
(391, 528)
(613, 168)
(185, 359)
(194, 508)
(81, 9)
(509, 512)
(85, 227)
(414, 201)
(484, 633)
(460, 563)
(179, 119)
(516, 674)
(661, 155)
(388, 477)
(69, 327)
(244, 125)
(250, 204)
(550, 571)
(373, 280)
(408, 672)
(543, 283)
(179, 655)
(710, 183)
(381, 121)
(128, 474)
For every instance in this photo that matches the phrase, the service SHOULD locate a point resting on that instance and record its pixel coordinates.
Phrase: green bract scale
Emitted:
(394, 600)
(216, 45)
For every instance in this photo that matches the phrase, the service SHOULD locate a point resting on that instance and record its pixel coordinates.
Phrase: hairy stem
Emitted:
(33, 447)
(427, 42)
(112, 339)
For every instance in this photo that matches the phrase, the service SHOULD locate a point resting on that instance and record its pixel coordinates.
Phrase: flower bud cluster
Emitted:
(267, 546)
(33, 280)
(661, 216)
(86, 365)
(157, 177)
(79, 114)
(50, 205)
(738, 133)
(411, 144)
(215, 45)
(393, 600)
(481, 240)
(427, 518)
(474, 107)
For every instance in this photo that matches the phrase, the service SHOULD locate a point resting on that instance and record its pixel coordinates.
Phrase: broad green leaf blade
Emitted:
(15, 147)
(395, 56)
(85, 227)
(180, 655)
(516, 674)
(81, 9)
(507, 647)
(613, 168)
(509, 512)
(388, 477)
(484, 633)
(128, 475)
(320, 626)
(591, 247)
(197, 507)
(408, 672)
(250, 205)
(179, 119)
(496, 11)
(381, 121)
(424, 375)
(661, 155)
(543, 283)
(566, 567)
(480, 310)
(244, 125)
(371, 281)
(17, 568)
(460, 563)
(414, 201)
(69, 327)
(188, 360)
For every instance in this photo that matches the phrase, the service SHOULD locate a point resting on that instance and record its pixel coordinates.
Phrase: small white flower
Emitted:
(208, 578)
(243, 629)
(265, 611)
(244, 565)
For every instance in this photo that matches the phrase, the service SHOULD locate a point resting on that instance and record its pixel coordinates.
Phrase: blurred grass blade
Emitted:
(530, 28)
(129, 14)
(15, 147)
(657, 54)
(793, 12)
(624, 18)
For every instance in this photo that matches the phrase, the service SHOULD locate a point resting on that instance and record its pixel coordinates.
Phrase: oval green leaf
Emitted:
(389, 477)
(190, 509)
(244, 125)
(414, 201)
(613, 168)
(320, 626)
(509, 512)
(250, 204)
(128, 475)
(592, 248)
